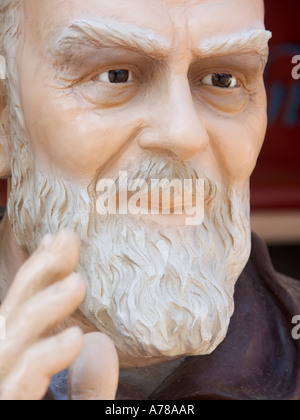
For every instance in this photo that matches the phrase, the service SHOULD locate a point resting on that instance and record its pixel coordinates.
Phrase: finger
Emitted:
(54, 260)
(40, 314)
(31, 376)
(95, 373)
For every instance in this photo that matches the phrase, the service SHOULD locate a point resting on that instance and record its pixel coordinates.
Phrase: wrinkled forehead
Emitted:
(196, 19)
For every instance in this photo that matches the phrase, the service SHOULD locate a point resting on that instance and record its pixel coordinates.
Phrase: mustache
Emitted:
(166, 168)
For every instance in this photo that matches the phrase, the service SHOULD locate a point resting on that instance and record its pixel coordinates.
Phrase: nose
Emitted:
(174, 124)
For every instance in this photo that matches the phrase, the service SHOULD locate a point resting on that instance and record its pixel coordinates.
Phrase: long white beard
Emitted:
(154, 290)
(159, 291)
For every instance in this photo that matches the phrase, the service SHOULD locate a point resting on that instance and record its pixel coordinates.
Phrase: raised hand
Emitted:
(45, 291)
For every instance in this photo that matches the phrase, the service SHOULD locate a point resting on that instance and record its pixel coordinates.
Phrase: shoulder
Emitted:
(286, 289)
(258, 359)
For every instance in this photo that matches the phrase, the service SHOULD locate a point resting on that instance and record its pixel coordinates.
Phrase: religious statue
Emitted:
(129, 132)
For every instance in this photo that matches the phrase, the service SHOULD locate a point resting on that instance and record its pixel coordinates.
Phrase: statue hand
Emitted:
(45, 292)
(95, 373)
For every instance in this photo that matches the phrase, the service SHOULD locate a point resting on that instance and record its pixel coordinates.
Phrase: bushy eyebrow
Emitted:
(249, 41)
(111, 34)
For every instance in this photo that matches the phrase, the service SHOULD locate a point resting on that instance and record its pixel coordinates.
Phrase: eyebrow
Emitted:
(109, 34)
(249, 41)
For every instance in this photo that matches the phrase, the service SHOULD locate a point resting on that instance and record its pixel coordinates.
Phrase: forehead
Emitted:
(198, 18)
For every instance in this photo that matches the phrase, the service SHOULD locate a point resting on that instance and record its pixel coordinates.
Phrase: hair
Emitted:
(11, 28)
(10, 24)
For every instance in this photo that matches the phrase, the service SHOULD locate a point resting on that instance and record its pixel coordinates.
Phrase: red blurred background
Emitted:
(276, 180)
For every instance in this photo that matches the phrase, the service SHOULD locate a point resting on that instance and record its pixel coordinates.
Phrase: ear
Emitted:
(4, 125)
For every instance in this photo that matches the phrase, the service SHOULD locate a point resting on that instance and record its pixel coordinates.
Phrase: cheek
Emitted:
(236, 142)
(75, 140)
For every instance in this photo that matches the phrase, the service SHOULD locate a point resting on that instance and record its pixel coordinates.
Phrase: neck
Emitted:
(11, 257)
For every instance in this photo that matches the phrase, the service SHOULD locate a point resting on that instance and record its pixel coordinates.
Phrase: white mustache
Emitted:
(157, 187)
(165, 171)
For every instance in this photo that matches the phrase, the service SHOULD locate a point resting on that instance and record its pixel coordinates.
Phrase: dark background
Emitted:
(276, 180)
(275, 183)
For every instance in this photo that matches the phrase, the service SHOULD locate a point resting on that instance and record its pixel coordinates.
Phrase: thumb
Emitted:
(95, 373)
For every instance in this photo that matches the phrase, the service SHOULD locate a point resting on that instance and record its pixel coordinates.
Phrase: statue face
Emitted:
(162, 88)
(70, 115)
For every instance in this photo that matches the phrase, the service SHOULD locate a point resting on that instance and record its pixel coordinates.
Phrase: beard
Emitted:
(155, 290)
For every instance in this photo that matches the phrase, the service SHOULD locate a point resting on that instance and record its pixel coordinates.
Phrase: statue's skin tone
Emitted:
(221, 133)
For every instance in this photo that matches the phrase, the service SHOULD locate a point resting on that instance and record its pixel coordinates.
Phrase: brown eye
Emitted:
(115, 76)
(221, 80)
(118, 76)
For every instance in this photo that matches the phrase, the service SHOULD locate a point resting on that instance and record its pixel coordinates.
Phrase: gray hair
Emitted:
(9, 23)
(10, 30)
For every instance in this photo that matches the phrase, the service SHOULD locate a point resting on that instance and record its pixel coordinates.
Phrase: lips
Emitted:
(162, 202)
(157, 196)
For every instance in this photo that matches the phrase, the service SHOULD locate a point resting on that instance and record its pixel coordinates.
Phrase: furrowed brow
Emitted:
(111, 34)
(255, 40)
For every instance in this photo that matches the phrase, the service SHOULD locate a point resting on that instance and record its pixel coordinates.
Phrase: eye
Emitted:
(115, 76)
(221, 80)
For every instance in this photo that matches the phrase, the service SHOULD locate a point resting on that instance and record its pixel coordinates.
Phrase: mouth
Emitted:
(176, 197)
(163, 203)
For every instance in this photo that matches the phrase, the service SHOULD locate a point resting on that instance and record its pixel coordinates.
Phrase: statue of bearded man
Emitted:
(128, 95)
